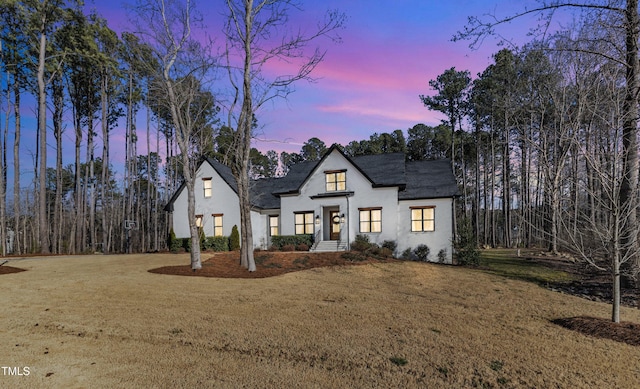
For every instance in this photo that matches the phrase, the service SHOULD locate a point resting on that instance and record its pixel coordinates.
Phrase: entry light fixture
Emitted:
(317, 219)
(342, 218)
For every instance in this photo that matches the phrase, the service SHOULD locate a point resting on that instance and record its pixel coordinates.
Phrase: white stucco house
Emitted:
(334, 199)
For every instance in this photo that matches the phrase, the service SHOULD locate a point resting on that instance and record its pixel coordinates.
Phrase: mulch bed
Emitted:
(268, 264)
(625, 332)
(10, 269)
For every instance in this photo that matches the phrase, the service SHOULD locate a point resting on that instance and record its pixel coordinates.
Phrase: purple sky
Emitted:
(371, 81)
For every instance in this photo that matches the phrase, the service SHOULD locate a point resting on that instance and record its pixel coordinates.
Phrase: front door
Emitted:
(334, 219)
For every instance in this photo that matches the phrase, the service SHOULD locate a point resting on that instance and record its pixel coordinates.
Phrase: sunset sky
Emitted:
(371, 81)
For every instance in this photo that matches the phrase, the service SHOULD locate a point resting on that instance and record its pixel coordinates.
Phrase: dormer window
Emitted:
(336, 180)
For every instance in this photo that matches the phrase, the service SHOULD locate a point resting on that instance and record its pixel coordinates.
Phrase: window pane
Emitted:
(364, 216)
(299, 218)
(416, 225)
(364, 226)
(428, 213)
(429, 225)
(273, 225)
(376, 215)
(416, 214)
(198, 220)
(308, 228)
(331, 186)
(376, 226)
(299, 229)
(206, 183)
(308, 217)
(342, 181)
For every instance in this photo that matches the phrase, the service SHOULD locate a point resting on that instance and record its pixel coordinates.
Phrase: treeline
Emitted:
(535, 139)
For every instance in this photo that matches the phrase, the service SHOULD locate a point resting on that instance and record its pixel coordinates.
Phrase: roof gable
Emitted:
(415, 180)
(223, 171)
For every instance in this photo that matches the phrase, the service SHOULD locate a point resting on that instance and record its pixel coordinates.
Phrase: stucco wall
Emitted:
(440, 239)
(223, 201)
(364, 197)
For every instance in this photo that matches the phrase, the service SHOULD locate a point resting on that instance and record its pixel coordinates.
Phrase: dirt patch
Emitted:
(268, 264)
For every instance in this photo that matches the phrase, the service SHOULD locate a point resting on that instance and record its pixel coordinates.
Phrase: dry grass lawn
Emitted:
(105, 321)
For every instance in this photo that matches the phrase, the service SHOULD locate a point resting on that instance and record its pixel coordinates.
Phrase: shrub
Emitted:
(234, 239)
(186, 244)
(407, 254)
(442, 256)
(386, 252)
(422, 252)
(390, 244)
(173, 243)
(361, 243)
(203, 238)
(302, 247)
(465, 245)
(280, 241)
(288, 247)
(217, 243)
(273, 248)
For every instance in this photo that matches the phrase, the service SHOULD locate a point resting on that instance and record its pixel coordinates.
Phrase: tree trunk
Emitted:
(58, 96)
(43, 224)
(105, 160)
(244, 129)
(16, 169)
(3, 175)
(79, 189)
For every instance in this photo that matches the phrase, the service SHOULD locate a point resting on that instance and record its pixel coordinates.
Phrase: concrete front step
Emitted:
(329, 246)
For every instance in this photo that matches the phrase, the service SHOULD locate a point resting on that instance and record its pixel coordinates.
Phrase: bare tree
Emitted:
(614, 36)
(599, 241)
(166, 26)
(257, 34)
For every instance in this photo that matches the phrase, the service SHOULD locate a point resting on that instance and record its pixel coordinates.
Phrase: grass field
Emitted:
(105, 321)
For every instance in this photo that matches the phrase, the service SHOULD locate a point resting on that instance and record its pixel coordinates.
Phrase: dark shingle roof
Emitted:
(225, 172)
(429, 179)
(295, 177)
(383, 169)
(262, 193)
(415, 180)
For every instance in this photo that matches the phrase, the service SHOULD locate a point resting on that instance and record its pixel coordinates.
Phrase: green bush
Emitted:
(234, 239)
(442, 255)
(391, 245)
(407, 254)
(361, 243)
(173, 243)
(465, 245)
(217, 243)
(186, 244)
(421, 252)
(283, 240)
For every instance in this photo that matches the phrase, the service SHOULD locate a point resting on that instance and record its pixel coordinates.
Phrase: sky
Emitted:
(370, 82)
